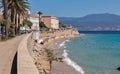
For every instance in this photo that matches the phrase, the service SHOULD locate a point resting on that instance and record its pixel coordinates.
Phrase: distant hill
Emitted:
(104, 21)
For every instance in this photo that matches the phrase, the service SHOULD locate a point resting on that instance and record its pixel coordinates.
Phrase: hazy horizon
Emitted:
(89, 14)
(76, 8)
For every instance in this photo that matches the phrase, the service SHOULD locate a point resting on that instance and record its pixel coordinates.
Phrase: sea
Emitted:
(97, 52)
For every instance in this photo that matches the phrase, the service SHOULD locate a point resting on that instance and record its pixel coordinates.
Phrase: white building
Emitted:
(54, 23)
(34, 18)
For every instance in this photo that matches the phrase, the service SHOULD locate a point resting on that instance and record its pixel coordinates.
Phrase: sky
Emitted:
(75, 8)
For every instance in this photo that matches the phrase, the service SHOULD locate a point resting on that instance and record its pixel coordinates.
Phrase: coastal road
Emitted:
(8, 50)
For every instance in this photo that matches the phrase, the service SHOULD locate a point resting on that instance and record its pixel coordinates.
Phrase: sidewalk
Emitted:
(25, 64)
(8, 50)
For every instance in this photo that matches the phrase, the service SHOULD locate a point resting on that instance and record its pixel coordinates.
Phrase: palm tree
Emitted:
(5, 15)
(39, 13)
(18, 9)
(21, 11)
(50, 56)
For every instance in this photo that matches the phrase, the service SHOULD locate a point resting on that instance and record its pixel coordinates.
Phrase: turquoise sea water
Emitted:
(94, 53)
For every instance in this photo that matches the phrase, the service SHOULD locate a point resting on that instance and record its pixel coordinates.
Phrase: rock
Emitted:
(118, 68)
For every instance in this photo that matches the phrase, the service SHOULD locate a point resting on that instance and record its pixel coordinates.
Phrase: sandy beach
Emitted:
(54, 44)
(60, 67)
(39, 54)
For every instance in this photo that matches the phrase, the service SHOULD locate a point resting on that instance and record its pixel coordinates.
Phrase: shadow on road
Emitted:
(14, 65)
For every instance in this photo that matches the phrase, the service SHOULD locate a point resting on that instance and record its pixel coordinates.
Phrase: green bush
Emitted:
(29, 23)
(61, 25)
(42, 25)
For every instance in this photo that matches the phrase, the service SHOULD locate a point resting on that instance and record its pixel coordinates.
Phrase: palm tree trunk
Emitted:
(39, 18)
(13, 20)
(16, 23)
(19, 19)
(50, 66)
(12, 16)
(2, 31)
(5, 4)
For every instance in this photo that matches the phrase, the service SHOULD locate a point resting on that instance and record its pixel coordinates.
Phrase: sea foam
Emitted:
(63, 43)
(72, 63)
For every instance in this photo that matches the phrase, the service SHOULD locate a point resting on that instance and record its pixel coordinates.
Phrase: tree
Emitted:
(18, 8)
(29, 23)
(2, 24)
(62, 25)
(39, 13)
(5, 15)
(42, 25)
(50, 56)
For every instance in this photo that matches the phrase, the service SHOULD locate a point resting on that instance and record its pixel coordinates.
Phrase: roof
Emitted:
(33, 15)
(47, 15)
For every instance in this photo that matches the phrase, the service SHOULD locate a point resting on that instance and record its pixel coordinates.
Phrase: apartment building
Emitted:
(34, 18)
(50, 21)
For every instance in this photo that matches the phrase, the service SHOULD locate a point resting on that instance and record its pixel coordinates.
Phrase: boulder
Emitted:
(118, 68)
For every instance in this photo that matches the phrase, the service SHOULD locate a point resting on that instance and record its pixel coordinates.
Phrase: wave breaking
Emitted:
(72, 63)
(63, 43)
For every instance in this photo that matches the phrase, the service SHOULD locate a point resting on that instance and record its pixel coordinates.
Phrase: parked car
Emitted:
(22, 31)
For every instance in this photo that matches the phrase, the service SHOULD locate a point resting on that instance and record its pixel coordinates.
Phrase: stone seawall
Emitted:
(57, 33)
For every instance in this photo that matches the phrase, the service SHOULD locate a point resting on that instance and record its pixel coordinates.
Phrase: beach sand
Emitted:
(60, 67)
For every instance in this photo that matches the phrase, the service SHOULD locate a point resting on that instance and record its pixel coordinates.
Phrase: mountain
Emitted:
(104, 21)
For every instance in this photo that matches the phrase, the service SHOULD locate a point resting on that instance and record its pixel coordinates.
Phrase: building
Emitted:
(50, 21)
(34, 18)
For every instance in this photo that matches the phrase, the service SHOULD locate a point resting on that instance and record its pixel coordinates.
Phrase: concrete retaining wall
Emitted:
(25, 64)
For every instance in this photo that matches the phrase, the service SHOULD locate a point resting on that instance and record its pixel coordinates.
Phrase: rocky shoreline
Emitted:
(39, 56)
